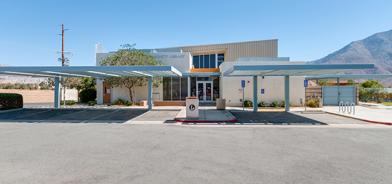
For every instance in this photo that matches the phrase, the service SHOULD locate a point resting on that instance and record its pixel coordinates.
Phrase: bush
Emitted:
(69, 102)
(314, 102)
(248, 103)
(91, 103)
(274, 104)
(88, 95)
(282, 103)
(128, 103)
(11, 101)
(119, 101)
(263, 104)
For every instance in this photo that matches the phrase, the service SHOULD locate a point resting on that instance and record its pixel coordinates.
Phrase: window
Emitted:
(166, 88)
(184, 88)
(175, 88)
(201, 61)
(221, 58)
(212, 61)
(207, 61)
(196, 61)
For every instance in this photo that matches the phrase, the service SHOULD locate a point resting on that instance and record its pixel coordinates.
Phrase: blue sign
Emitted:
(243, 83)
(262, 91)
(305, 83)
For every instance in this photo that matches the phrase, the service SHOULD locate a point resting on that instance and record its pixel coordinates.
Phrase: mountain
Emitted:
(375, 49)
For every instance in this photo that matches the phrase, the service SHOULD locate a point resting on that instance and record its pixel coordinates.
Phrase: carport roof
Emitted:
(291, 69)
(351, 76)
(92, 71)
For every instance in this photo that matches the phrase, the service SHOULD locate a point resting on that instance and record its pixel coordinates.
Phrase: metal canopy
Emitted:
(292, 69)
(351, 76)
(92, 71)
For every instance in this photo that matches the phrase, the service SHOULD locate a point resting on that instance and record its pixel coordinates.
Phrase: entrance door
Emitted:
(204, 90)
(106, 93)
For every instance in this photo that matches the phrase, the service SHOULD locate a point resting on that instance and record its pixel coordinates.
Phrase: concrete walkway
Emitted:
(373, 115)
(207, 115)
(155, 116)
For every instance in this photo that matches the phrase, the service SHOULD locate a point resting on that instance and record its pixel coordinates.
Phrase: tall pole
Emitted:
(62, 45)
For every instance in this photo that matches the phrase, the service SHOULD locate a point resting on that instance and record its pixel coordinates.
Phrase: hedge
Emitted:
(88, 95)
(11, 101)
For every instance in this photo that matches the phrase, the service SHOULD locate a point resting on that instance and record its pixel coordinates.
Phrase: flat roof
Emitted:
(294, 69)
(91, 71)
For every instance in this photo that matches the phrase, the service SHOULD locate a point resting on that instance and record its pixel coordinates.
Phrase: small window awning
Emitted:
(92, 71)
(302, 69)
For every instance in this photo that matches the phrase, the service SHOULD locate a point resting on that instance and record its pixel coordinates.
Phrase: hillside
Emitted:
(376, 49)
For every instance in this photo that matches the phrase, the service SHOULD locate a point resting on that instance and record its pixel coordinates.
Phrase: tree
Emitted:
(129, 56)
(371, 84)
(79, 84)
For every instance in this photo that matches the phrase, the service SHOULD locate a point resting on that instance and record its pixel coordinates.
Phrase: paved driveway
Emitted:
(118, 153)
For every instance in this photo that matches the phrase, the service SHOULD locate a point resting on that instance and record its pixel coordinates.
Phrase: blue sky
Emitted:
(306, 29)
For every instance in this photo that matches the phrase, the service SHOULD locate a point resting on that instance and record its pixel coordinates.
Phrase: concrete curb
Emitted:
(186, 121)
(366, 120)
(11, 110)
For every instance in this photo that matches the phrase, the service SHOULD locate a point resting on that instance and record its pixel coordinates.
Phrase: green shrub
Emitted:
(128, 103)
(282, 103)
(274, 104)
(68, 102)
(119, 101)
(87, 95)
(263, 104)
(11, 101)
(91, 103)
(314, 102)
(248, 103)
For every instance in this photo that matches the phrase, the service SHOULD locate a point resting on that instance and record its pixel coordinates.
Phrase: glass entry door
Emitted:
(204, 90)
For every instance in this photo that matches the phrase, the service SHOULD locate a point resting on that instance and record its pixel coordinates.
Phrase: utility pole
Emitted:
(62, 45)
(64, 61)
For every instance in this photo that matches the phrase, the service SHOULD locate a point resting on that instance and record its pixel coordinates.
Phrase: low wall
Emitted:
(41, 96)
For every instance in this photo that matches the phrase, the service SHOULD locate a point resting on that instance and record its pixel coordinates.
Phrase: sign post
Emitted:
(306, 82)
(243, 94)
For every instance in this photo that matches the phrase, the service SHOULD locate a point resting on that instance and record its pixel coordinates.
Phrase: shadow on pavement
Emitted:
(276, 118)
(70, 115)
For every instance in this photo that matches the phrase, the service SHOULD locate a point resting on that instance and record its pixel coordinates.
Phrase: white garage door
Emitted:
(331, 94)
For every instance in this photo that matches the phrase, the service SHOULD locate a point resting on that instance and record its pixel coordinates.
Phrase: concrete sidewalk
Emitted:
(207, 115)
(372, 115)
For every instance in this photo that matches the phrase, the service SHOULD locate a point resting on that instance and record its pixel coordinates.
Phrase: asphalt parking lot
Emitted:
(126, 153)
(50, 115)
(275, 118)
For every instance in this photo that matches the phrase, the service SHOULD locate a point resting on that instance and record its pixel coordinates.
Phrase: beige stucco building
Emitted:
(201, 66)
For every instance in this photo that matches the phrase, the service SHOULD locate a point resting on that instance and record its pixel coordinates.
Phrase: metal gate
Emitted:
(333, 94)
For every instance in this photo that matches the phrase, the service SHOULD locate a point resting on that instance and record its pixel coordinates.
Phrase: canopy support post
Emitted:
(338, 87)
(56, 92)
(255, 94)
(287, 93)
(149, 95)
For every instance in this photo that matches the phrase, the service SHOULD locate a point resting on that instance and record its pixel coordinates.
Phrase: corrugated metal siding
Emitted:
(263, 48)
(331, 97)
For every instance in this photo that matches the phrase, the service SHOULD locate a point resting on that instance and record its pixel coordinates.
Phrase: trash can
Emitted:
(220, 104)
(192, 107)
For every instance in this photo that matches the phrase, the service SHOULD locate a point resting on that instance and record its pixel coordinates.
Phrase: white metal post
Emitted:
(57, 92)
(149, 95)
